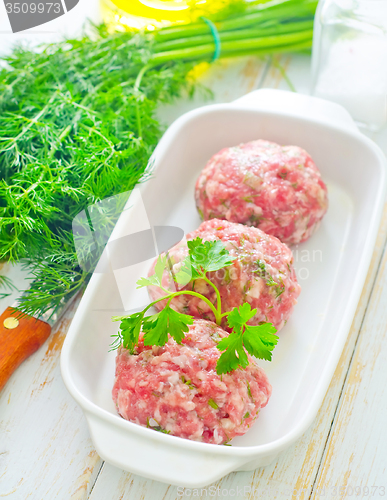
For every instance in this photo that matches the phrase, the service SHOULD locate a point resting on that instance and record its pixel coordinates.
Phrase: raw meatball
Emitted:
(175, 388)
(276, 188)
(262, 274)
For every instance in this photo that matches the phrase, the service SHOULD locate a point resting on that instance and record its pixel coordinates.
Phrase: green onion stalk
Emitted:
(263, 29)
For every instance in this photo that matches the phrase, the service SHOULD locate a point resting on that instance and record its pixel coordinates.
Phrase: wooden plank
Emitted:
(355, 455)
(45, 449)
(294, 470)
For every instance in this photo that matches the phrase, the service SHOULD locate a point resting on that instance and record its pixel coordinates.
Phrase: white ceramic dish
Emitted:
(332, 267)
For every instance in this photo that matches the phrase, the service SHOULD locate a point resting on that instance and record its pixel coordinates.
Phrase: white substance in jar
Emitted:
(354, 75)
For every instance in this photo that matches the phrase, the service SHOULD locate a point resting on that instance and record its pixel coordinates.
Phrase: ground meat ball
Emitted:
(276, 188)
(176, 388)
(262, 274)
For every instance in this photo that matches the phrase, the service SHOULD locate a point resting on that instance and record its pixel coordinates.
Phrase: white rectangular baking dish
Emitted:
(331, 266)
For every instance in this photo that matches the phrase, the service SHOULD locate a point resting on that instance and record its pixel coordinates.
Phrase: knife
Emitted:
(21, 336)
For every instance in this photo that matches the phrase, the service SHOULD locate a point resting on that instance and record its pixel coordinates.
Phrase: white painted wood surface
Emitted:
(45, 449)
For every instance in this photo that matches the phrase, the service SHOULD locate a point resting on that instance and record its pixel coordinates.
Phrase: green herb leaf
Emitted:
(157, 277)
(188, 382)
(233, 356)
(209, 255)
(260, 340)
(213, 405)
(249, 391)
(262, 273)
(8, 284)
(167, 321)
(157, 427)
(186, 272)
(203, 257)
(129, 330)
(240, 316)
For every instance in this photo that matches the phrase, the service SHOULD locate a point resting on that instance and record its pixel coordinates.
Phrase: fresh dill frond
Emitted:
(7, 283)
(74, 130)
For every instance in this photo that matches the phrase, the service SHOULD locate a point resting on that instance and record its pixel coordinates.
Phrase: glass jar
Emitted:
(349, 63)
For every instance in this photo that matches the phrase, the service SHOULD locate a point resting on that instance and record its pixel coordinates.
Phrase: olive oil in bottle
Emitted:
(151, 14)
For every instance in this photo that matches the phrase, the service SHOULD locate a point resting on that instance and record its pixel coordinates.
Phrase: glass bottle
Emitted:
(349, 62)
(151, 14)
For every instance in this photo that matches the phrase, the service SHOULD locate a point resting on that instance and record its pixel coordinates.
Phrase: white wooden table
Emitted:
(45, 448)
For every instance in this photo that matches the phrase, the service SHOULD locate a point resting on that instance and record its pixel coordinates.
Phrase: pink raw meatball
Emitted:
(175, 388)
(276, 188)
(262, 274)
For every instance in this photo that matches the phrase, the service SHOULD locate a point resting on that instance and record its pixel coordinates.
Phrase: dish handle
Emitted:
(157, 457)
(299, 105)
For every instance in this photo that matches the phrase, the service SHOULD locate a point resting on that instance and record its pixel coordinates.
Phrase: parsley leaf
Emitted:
(209, 255)
(157, 277)
(203, 257)
(186, 272)
(130, 330)
(260, 340)
(238, 317)
(157, 326)
(233, 356)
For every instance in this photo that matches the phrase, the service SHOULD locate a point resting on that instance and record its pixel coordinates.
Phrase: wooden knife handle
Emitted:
(19, 338)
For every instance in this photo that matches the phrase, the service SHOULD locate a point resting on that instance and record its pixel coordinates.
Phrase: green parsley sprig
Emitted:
(203, 257)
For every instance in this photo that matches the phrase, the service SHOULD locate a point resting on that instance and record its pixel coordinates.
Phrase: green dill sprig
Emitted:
(74, 130)
(7, 283)
(203, 257)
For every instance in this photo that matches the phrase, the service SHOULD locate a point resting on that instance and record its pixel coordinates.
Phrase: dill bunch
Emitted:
(74, 130)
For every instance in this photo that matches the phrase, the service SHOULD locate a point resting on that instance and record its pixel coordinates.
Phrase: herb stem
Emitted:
(34, 120)
(218, 299)
(136, 89)
(186, 292)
